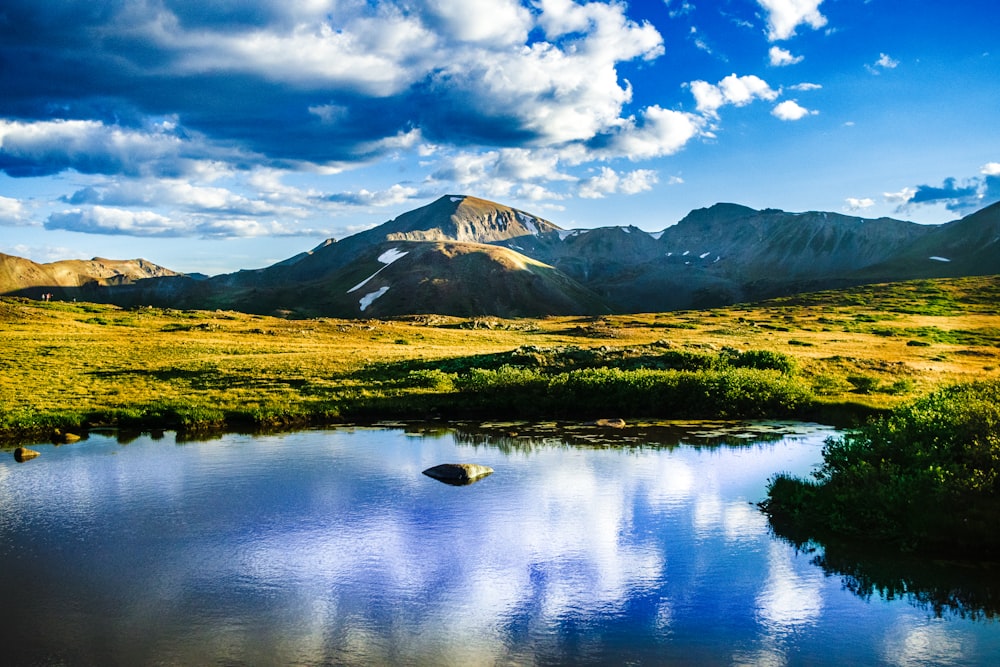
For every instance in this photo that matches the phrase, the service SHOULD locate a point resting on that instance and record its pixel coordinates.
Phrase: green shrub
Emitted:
(685, 360)
(901, 386)
(829, 385)
(761, 360)
(863, 384)
(729, 392)
(927, 478)
(431, 379)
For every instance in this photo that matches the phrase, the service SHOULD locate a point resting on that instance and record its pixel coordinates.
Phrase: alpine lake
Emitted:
(586, 545)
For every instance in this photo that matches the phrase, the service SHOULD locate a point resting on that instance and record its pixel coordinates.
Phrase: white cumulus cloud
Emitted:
(176, 193)
(372, 54)
(12, 212)
(736, 90)
(859, 204)
(392, 196)
(784, 16)
(92, 147)
(141, 223)
(901, 197)
(658, 132)
(638, 181)
(990, 169)
(884, 62)
(608, 181)
(791, 110)
(562, 90)
(781, 57)
(106, 220)
(493, 21)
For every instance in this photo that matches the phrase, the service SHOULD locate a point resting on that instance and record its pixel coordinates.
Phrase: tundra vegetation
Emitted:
(837, 355)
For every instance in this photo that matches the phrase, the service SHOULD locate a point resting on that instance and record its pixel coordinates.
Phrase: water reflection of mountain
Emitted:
(525, 436)
(966, 589)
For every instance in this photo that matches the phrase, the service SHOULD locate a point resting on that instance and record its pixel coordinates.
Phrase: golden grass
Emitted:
(858, 346)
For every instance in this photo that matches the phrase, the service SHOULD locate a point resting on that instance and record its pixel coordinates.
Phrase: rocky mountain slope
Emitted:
(397, 278)
(466, 256)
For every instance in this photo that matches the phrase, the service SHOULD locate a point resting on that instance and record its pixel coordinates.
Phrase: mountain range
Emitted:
(465, 256)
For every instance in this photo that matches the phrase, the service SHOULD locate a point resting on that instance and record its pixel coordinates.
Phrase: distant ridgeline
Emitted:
(465, 256)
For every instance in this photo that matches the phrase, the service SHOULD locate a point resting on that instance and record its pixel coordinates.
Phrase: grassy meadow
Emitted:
(66, 366)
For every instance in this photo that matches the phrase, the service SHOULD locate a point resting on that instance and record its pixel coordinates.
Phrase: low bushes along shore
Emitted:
(525, 383)
(925, 478)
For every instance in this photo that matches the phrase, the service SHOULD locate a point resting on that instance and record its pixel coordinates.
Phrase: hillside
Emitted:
(966, 247)
(415, 277)
(73, 277)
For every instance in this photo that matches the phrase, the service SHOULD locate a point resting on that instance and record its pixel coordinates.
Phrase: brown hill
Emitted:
(73, 277)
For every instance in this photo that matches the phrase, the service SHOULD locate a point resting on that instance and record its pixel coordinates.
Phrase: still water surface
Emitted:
(331, 547)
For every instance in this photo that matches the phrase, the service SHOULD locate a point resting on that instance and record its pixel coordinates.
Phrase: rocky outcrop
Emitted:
(63, 438)
(458, 474)
(22, 454)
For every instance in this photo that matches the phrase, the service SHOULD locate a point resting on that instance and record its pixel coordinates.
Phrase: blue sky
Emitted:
(213, 135)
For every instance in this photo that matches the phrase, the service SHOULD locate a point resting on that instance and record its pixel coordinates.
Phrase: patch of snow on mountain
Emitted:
(670, 254)
(686, 253)
(717, 258)
(367, 299)
(626, 230)
(387, 258)
(940, 259)
(704, 255)
(656, 235)
(566, 233)
(454, 199)
(390, 256)
(363, 282)
(528, 222)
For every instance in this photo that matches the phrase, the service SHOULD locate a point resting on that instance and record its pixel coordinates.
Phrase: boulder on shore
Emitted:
(22, 454)
(61, 438)
(458, 474)
(610, 423)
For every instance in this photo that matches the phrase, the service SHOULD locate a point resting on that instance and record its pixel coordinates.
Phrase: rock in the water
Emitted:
(22, 454)
(458, 474)
(64, 438)
(610, 423)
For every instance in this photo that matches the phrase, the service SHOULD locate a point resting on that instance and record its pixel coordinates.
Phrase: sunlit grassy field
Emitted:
(69, 365)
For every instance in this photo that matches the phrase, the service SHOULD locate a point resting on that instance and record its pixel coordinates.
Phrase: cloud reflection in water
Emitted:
(332, 547)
